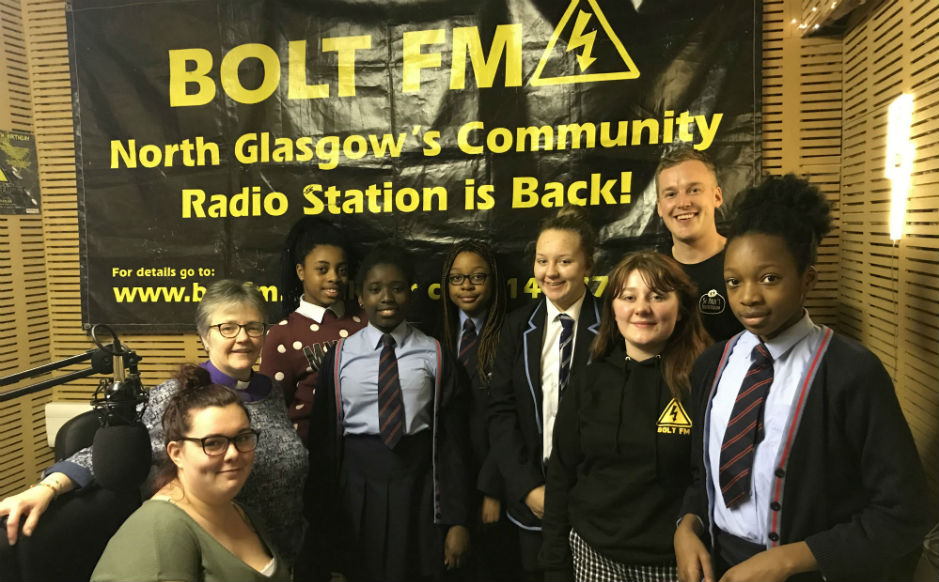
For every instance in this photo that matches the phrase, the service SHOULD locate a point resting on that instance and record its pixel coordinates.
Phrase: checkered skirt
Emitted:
(590, 566)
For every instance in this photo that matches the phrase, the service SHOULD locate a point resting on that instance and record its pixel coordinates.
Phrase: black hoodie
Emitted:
(619, 467)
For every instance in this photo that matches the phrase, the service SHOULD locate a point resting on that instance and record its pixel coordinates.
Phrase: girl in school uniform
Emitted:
(621, 458)
(473, 302)
(388, 438)
(542, 346)
(314, 286)
(804, 463)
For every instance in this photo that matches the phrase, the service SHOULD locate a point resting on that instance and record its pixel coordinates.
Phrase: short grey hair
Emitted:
(227, 292)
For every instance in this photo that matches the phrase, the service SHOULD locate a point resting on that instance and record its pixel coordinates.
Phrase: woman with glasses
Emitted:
(192, 529)
(473, 301)
(230, 322)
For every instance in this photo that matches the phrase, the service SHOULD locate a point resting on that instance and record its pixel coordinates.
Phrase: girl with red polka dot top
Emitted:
(315, 278)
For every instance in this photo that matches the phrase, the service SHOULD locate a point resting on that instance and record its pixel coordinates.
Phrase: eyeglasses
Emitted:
(216, 444)
(475, 278)
(231, 329)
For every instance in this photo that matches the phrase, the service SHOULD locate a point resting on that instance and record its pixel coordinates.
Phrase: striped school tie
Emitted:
(390, 400)
(745, 428)
(467, 342)
(566, 347)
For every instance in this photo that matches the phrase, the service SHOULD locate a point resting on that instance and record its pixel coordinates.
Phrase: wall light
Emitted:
(899, 160)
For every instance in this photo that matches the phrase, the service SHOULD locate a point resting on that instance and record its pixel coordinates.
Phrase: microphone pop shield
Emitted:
(121, 456)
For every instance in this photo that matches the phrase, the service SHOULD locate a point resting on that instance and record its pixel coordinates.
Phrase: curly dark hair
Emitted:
(489, 335)
(385, 255)
(788, 207)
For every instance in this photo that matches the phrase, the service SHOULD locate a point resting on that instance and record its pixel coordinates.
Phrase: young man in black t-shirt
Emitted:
(688, 197)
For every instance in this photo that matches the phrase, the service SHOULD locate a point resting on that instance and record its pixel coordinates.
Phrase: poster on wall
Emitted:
(19, 173)
(206, 128)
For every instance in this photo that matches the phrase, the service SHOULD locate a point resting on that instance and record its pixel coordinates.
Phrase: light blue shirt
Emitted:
(478, 321)
(792, 350)
(358, 378)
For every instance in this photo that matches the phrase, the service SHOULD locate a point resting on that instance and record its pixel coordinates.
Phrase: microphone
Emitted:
(120, 454)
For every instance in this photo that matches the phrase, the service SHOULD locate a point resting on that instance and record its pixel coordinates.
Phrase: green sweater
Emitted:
(161, 542)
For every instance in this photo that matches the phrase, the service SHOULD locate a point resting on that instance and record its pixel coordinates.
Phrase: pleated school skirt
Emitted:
(387, 507)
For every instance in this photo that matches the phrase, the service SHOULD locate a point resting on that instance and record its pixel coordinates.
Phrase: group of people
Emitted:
(693, 423)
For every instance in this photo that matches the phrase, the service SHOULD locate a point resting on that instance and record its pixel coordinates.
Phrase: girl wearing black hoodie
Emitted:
(621, 455)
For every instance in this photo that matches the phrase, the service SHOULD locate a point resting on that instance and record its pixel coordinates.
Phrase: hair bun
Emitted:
(786, 206)
(191, 376)
(577, 220)
(573, 212)
(800, 199)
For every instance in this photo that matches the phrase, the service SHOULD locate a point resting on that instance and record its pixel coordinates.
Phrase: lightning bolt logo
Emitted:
(579, 39)
(614, 64)
(674, 415)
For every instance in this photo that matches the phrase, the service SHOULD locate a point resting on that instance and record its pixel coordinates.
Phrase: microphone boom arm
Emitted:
(102, 362)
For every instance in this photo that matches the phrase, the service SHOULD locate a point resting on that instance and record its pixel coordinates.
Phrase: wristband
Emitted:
(55, 492)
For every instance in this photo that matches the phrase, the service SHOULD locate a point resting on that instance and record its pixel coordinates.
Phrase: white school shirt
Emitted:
(792, 350)
(550, 366)
(316, 312)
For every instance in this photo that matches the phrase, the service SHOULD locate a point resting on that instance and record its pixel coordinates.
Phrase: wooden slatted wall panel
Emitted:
(31, 247)
(24, 313)
(24, 327)
(16, 110)
(53, 111)
(37, 246)
(890, 293)
(802, 125)
(776, 37)
(819, 139)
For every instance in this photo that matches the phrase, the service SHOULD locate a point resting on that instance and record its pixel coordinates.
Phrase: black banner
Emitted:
(205, 128)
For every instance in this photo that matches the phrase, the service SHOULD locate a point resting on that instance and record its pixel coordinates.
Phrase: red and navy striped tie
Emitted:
(745, 428)
(390, 400)
(467, 342)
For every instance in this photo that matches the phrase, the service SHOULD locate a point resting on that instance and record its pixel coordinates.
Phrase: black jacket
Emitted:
(488, 478)
(515, 423)
(852, 485)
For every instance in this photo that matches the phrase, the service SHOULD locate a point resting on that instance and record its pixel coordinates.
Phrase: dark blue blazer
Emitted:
(515, 414)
